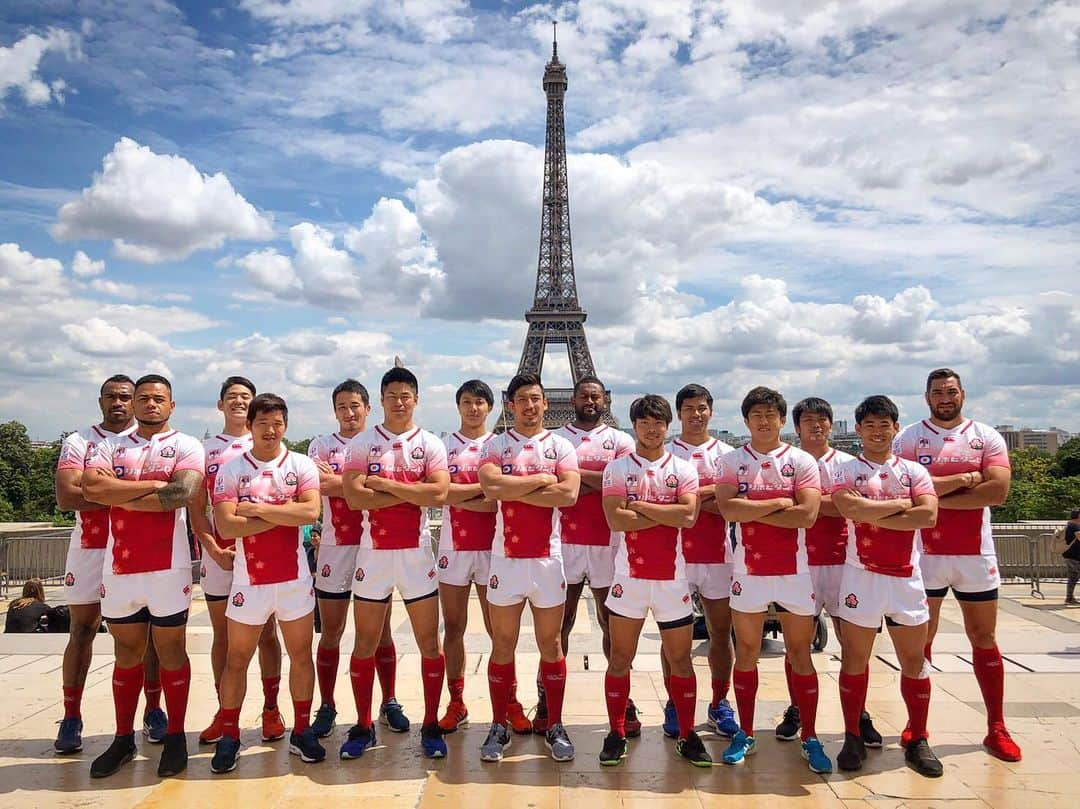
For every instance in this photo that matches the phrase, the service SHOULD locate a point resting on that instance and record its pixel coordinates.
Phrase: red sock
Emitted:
(853, 699)
(386, 666)
(500, 680)
(554, 675)
(177, 684)
(684, 695)
(513, 691)
(667, 685)
(152, 690)
(126, 685)
(326, 666)
(432, 671)
(926, 653)
(719, 691)
(617, 695)
(745, 684)
(301, 715)
(916, 694)
(806, 697)
(990, 672)
(788, 672)
(362, 674)
(270, 692)
(72, 702)
(230, 723)
(456, 687)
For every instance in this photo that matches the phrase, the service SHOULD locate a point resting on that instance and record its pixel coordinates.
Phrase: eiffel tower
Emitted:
(556, 316)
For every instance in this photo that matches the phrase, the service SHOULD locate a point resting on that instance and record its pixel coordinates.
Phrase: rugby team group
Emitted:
(648, 521)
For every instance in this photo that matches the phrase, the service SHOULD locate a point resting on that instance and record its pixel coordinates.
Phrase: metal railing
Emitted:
(33, 553)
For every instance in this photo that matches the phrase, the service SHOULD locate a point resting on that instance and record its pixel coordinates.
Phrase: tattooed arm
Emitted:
(177, 493)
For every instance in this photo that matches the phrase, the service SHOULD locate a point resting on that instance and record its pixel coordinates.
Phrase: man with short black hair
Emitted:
(1071, 555)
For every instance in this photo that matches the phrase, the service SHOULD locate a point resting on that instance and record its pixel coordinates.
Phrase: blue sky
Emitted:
(761, 192)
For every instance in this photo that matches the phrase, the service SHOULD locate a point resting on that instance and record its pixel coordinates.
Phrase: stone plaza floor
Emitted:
(1039, 638)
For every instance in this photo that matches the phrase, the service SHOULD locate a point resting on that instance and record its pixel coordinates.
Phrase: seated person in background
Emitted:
(25, 613)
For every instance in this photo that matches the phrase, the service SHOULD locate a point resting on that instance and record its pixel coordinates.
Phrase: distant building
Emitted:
(730, 438)
(840, 426)
(846, 442)
(1025, 437)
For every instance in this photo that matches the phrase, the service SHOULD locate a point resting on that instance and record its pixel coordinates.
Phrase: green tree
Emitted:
(16, 459)
(1067, 459)
(300, 446)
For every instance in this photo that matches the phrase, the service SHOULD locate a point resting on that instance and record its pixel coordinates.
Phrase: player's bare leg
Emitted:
(79, 651)
(273, 725)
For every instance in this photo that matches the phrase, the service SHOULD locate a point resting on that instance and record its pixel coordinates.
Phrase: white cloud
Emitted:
(19, 65)
(82, 265)
(158, 207)
(116, 289)
(97, 336)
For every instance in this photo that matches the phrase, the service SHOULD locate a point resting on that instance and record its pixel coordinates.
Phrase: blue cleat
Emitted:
(393, 716)
(324, 720)
(431, 741)
(224, 759)
(155, 726)
(722, 719)
(69, 739)
(741, 746)
(671, 721)
(360, 739)
(814, 753)
(307, 746)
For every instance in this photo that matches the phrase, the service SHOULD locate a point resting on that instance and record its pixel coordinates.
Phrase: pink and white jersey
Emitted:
(144, 541)
(583, 523)
(705, 542)
(969, 447)
(407, 458)
(870, 547)
(760, 549)
(276, 555)
(522, 530)
(91, 527)
(219, 450)
(341, 524)
(467, 530)
(655, 553)
(827, 538)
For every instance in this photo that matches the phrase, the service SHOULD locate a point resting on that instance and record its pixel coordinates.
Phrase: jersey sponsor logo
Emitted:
(359, 574)
(507, 469)
(291, 479)
(69, 579)
(118, 471)
(336, 467)
(744, 487)
(212, 469)
(374, 468)
(787, 470)
(238, 600)
(925, 460)
(976, 443)
(736, 588)
(493, 582)
(671, 481)
(325, 572)
(443, 562)
(417, 454)
(550, 453)
(617, 591)
(168, 452)
(851, 601)
(453, 468)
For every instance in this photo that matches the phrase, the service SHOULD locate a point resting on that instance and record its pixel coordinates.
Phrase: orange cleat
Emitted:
(516, 718)
(213, 733)
(456, 716)
(1000, 744)
(273, 726)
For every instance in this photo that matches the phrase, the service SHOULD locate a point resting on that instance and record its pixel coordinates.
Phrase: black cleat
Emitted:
(614, 749)
(869, 733)
(789, 727)
(174, 755)
(693, 750)
(921, 758)
(120, 752)
(853, 753)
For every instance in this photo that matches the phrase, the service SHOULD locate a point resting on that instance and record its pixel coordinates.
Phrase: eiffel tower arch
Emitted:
(556, 316)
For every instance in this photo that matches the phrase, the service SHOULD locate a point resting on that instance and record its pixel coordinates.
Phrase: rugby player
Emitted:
(336, 564)
(886, 499)
(588, 547)
(532, 473)
(705, 551)
(82, 576)
(262, 499)
(969, 464)
(394, 471)
(772, 491)
(147, 478)
(649, 499)
(216, 571)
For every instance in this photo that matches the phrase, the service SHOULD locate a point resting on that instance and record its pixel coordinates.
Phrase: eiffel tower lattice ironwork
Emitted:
(556, 316)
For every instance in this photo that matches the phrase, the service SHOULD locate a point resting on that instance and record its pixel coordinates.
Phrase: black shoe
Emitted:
(869, 733)
(306, 745)
(788, 729)
(693, 750)
(174, 755)
(614, 749)
(633, 723)
(225, 753)
(120, 752)
(853, 753)
(921, 758)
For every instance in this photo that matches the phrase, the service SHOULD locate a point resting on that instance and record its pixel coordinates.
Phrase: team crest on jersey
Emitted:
(69, 579)
(359, 574)
(617, 591)
(787, 470)
(493, 582)
(443, 562)
(290, 479)
(905, 479)
(609, 444)
(325, 571)
(976, 443)
(550, 453)
(417, 454)
(238, 600)
(736, 588)
(672, 481)
(851, 601)
(168, 452)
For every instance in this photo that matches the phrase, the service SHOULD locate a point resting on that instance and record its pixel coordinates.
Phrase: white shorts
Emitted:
(794, 593)
(410, 570)
(712, 581)
(826, 579)
(634, 598)
(161, 593)
(216, 582)
(334, 569)
(539, 581)
(593, 562)
(965, 574)
(254, 604)
(866, 597)
(462, 568)
(82, 576)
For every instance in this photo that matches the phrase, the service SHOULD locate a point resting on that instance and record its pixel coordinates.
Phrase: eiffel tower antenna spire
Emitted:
(556, 316)
(554, 41)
